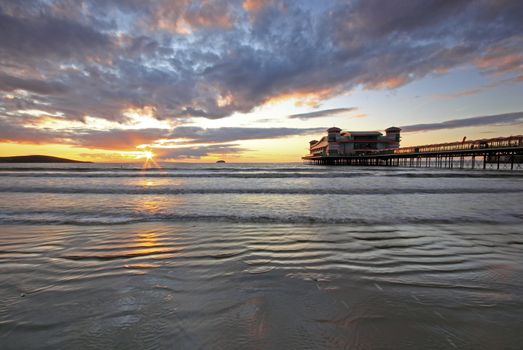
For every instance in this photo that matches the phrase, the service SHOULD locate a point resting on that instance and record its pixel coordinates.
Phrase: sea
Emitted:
(259, 256)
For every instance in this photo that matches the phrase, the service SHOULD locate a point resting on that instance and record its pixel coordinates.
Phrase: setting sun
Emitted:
(148, 155)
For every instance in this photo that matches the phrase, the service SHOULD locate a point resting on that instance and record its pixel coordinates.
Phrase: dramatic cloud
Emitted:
(227, 134)
(214, 58)
(27, 129)
(9, 83)
(35, 37)
(197, 152)
(129, 139)
(118, 139)
(499, 119)
(322, 113)
(19, 134)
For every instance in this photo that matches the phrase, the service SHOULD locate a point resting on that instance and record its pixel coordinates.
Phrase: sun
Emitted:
(148, 155)
(149, 161)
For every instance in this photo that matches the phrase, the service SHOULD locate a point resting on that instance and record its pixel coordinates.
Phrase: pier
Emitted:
(502, 153)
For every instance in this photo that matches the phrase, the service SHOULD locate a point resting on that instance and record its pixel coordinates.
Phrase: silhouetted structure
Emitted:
(338, 143)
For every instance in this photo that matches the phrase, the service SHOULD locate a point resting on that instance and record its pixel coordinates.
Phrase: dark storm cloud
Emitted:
(41, 36)
(11, 131)
(227, 134)
(211, 59)
(322, 113)
(499, 119)
(10, 83)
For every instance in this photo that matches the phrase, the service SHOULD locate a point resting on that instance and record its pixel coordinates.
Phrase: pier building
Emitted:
(338, 143)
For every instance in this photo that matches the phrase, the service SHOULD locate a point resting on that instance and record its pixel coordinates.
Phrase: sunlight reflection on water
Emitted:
(283, 256)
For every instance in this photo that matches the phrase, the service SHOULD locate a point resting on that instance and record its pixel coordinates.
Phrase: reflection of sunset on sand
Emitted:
(229, 285)
(146, 244)
(148, 239)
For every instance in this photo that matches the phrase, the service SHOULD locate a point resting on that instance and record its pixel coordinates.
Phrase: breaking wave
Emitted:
(269, 191)
(53, 218)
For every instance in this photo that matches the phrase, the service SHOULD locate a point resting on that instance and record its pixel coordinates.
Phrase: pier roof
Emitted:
(362, 133)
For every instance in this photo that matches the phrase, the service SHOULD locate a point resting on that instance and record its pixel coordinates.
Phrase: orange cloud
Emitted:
(254, 5)
(461, 93)
(182, 18)
(306, 97)
(118, 139)
(389, 83)
(200, 19)
(501, 62)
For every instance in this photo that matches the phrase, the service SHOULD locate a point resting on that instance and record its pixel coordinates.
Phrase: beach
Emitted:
(253, 256)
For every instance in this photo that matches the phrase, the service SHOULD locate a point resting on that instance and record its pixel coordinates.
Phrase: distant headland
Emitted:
(37, 159)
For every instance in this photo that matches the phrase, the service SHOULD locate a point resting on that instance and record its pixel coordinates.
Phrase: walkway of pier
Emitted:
(503, 153)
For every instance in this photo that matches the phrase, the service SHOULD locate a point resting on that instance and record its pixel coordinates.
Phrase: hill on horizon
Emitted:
(38, 159)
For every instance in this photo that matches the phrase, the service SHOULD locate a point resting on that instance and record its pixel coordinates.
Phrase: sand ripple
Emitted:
(222, 285)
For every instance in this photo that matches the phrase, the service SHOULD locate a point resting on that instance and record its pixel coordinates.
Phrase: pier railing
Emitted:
(499, 142)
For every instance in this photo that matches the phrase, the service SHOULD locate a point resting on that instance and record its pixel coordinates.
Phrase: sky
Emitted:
(252, 81)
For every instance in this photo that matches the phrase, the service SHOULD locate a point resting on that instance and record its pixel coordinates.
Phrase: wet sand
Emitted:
(224, 286)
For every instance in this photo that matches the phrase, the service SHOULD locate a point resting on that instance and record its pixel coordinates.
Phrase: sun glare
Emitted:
(148, 155)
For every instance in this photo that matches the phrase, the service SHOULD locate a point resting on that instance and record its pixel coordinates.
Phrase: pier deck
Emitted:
(499, 153)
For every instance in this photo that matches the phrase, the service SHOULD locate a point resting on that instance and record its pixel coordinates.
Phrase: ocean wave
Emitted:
(153, 170)
(88, 219)
(261, 191)
(251, 174)
(239, 175)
